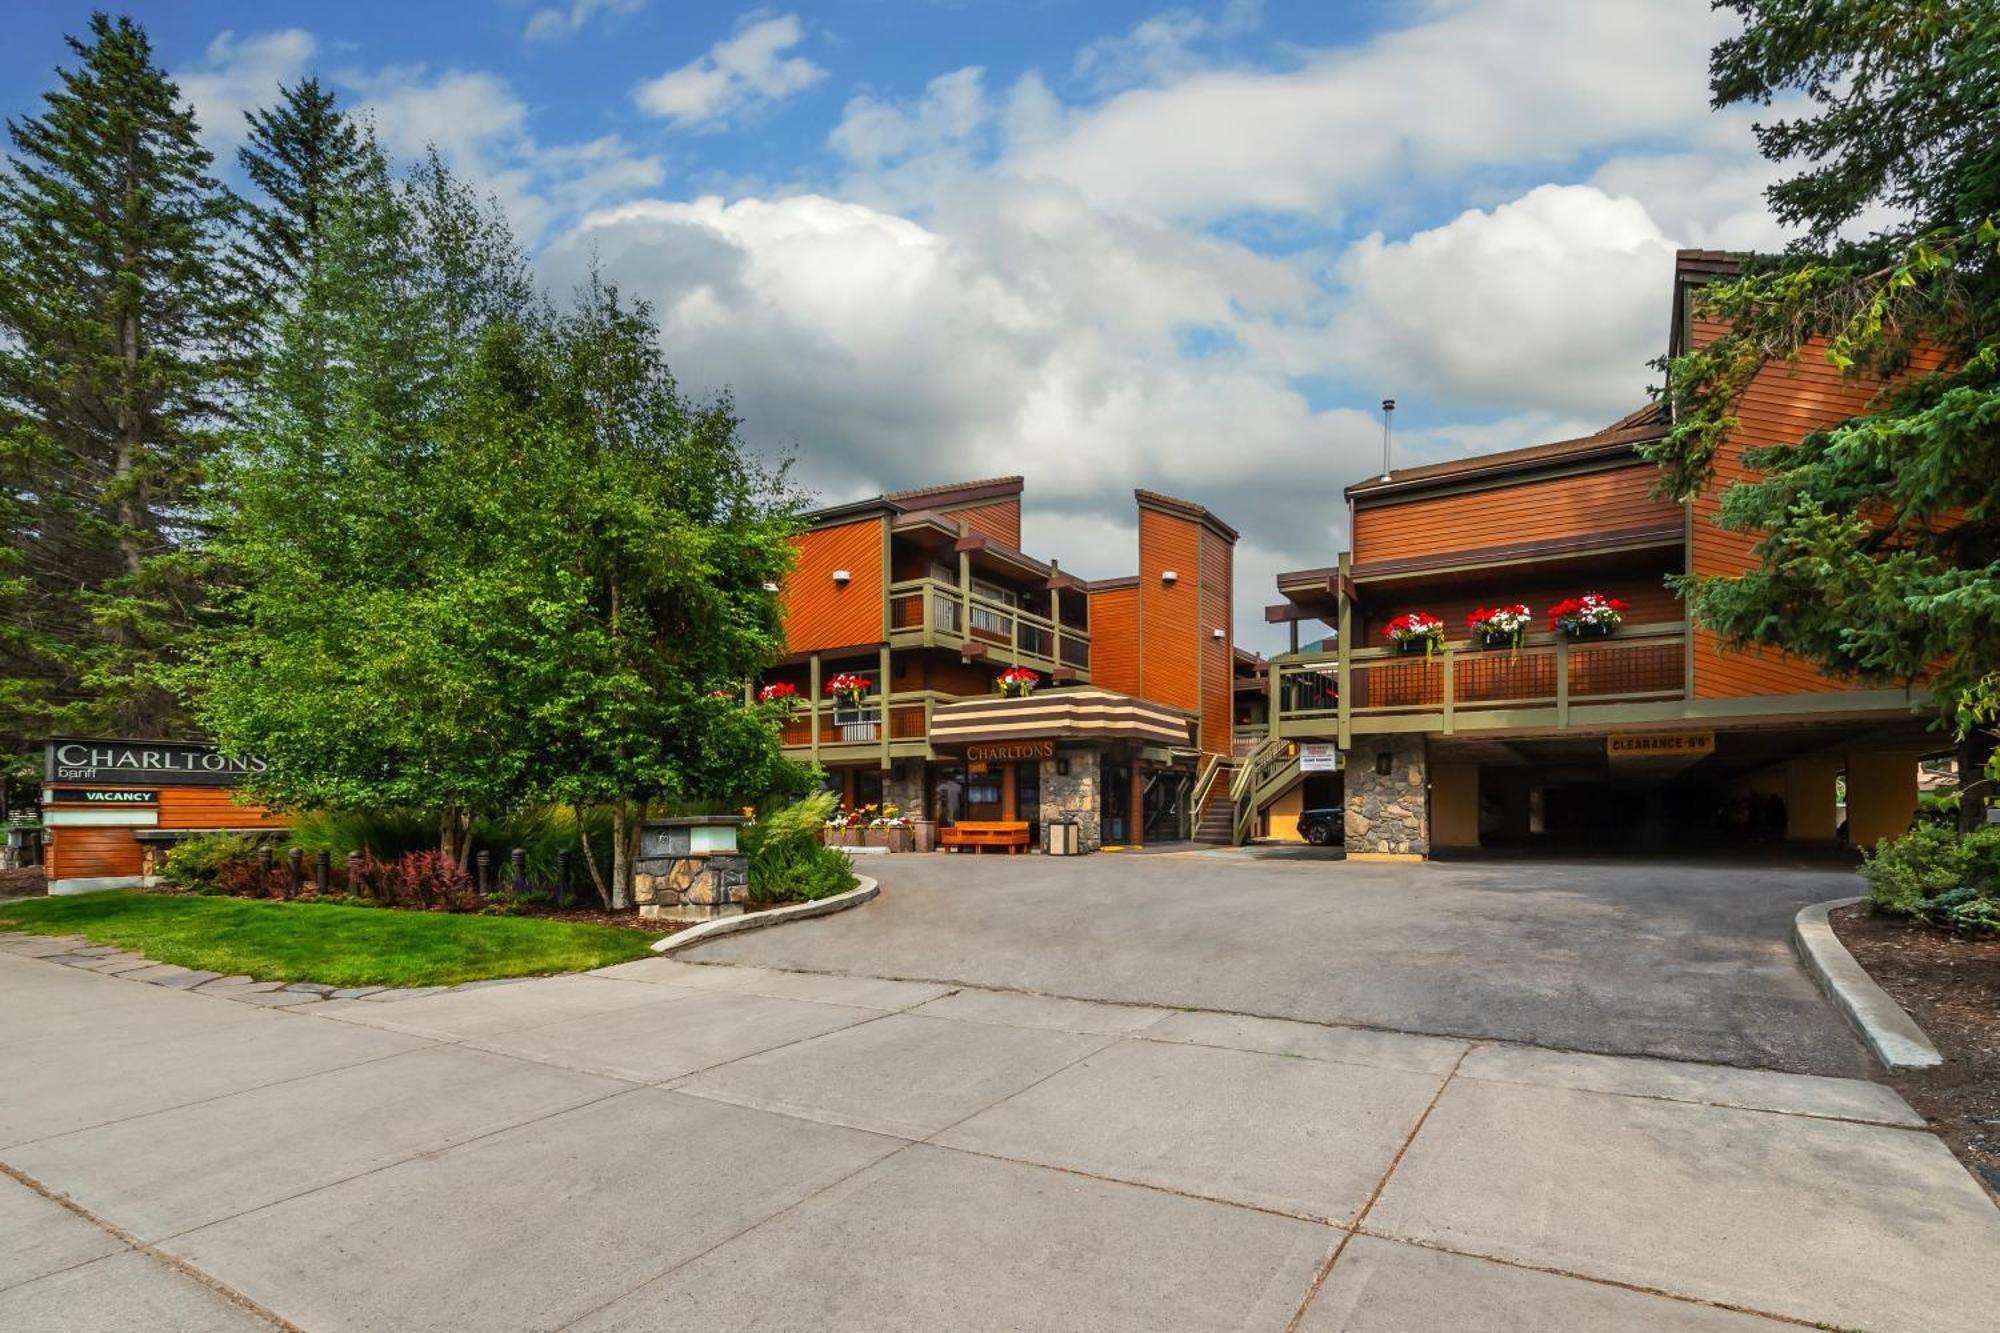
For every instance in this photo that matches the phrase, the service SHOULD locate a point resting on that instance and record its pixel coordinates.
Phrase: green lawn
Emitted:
(339, 946)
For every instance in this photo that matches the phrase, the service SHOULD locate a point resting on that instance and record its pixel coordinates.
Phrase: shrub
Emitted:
(197, 863)
(787, 860)
(420, 880)
(1936, 875)
(1938, 807)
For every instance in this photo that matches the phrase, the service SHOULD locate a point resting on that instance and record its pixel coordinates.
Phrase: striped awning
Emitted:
(1079, 712)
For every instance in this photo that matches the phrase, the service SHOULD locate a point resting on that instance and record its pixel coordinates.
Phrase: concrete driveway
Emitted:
(1684, 960)
(672, 1146)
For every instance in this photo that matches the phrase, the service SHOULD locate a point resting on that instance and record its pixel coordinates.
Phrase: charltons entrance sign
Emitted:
(150, 763)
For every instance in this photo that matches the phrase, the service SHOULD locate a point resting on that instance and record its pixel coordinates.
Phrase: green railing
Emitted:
(933, 611)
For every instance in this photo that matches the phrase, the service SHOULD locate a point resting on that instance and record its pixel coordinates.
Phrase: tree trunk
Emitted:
(623, 827)
(590, 859)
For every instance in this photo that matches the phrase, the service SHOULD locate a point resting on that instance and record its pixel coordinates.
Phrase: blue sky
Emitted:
(1102, 244)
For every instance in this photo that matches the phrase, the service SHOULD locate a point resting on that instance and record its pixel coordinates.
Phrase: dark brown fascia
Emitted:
(1169, 504)
(1513, 465)
(953, 494)
(1692, 269)
(1123, 583)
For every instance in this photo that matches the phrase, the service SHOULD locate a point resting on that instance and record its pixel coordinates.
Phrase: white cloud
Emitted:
(1474, 85)
(241, 74)
(556, 22)
(1554, 300)
(1162, 48)
(744, 71)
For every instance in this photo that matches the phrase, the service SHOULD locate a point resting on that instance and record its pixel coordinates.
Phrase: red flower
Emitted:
(776, 691)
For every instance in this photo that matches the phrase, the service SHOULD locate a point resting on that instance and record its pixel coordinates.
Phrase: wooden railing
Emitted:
(907, 712)
(955, 615)
(1636, 664)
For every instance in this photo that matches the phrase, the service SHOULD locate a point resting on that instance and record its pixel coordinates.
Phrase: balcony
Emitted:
(842, 731)
(1638, 674)
(933, 614)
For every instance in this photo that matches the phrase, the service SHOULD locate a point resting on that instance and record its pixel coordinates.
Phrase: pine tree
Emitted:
(115, 322)
(1879, 536)
(303, 155)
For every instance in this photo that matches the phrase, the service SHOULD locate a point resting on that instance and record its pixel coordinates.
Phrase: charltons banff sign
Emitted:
(147, 763)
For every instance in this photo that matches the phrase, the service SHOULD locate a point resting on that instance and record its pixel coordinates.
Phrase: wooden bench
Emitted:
(979, 834)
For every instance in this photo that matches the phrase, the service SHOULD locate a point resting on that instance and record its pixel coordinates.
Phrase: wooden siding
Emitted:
(1218, 666)
(211, 807)
(1114, 640)
(1550, 510)
(88, 853)
(1784, 403)
(1170, 613)
(820, 614)
(999, 521)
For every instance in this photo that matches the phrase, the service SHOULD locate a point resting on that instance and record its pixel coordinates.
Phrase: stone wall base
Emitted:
(1387, 813)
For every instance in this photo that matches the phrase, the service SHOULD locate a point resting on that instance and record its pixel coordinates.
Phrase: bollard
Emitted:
(263, 871)
(295, 866)
(485, 879)
(519, 857)
(562, 875)
(354, 864)
(322, 872)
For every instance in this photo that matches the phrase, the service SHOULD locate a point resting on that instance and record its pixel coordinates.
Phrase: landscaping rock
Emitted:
(187, 980)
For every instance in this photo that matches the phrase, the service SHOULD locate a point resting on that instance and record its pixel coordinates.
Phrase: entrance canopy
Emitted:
(1080, 713)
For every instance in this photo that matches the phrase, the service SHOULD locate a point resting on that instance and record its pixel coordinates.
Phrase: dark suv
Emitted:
(1324, 826)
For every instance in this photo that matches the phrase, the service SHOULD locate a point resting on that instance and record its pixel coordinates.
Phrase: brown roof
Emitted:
(1186, 509)
(957, 492)
(1646, 423)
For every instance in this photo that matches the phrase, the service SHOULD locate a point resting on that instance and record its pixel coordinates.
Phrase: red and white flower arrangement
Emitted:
(1406, 631)
(1500, 624)
(849, 688)
(782, 693)
(1019, 680)
(1592, 613)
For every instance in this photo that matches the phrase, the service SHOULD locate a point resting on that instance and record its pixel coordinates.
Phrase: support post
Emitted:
(1450, 687)
(812, 707)
(1055, 617)
(882, 689)
(1562, 679)
(1345, 632)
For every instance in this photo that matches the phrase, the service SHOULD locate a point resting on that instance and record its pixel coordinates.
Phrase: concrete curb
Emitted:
(1890, 1033)
(732, 925)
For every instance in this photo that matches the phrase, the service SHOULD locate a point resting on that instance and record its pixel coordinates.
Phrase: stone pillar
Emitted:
(1073, 796)
(677, 877)
(903, 787)
(1881, 795)
(1386, 812)
(1455, 805)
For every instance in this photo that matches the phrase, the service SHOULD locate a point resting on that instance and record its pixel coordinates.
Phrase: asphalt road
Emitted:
(1686, 960)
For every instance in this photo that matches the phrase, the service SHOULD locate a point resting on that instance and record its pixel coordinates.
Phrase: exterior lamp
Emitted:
(1384, 761)
(1218, 634)
(841, 577)
(1170, 576)
(770, 587)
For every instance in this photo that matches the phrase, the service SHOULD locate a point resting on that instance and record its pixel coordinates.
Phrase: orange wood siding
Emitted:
(1217, 656)
(1549, 510)
(820, 614)
(1000, 521)
(211, 807)
(1784, 403)
(1170, 613)
(1114, 640)
(87, 853)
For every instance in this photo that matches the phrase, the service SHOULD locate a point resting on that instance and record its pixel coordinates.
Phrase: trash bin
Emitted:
(1061, 838)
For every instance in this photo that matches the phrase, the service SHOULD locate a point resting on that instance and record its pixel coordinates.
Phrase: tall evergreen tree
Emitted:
(1879, 537)
(303, 155)
(116, 320)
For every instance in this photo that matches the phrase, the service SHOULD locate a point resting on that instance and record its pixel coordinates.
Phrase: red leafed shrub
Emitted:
(420, 880)
(237, 877)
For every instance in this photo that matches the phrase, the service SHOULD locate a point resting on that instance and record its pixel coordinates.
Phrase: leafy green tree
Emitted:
(1880, 535)
(117, 321)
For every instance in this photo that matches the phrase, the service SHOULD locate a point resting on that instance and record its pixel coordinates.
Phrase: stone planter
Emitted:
(844, 837)
(894, 839)
(923, 836)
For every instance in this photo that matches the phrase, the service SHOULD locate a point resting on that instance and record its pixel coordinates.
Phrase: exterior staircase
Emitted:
(1260, 777)
(1215, 821)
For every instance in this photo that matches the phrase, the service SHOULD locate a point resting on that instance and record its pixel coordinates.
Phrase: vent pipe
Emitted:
(1388, 407)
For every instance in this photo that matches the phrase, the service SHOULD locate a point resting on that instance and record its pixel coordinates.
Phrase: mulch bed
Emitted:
(27, 882)
(1952, 988)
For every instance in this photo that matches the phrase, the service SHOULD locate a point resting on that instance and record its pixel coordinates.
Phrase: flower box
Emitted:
(1493, 638)
(894, 838)
(1587, 630)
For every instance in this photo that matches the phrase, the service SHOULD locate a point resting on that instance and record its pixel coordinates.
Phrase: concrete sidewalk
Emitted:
(666, 1145)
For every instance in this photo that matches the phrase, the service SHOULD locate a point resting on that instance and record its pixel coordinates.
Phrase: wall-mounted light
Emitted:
(1062, 768)
(1219, 634)
(841, 577)
(1384, 761)
(1170, 576)
(770, 587)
